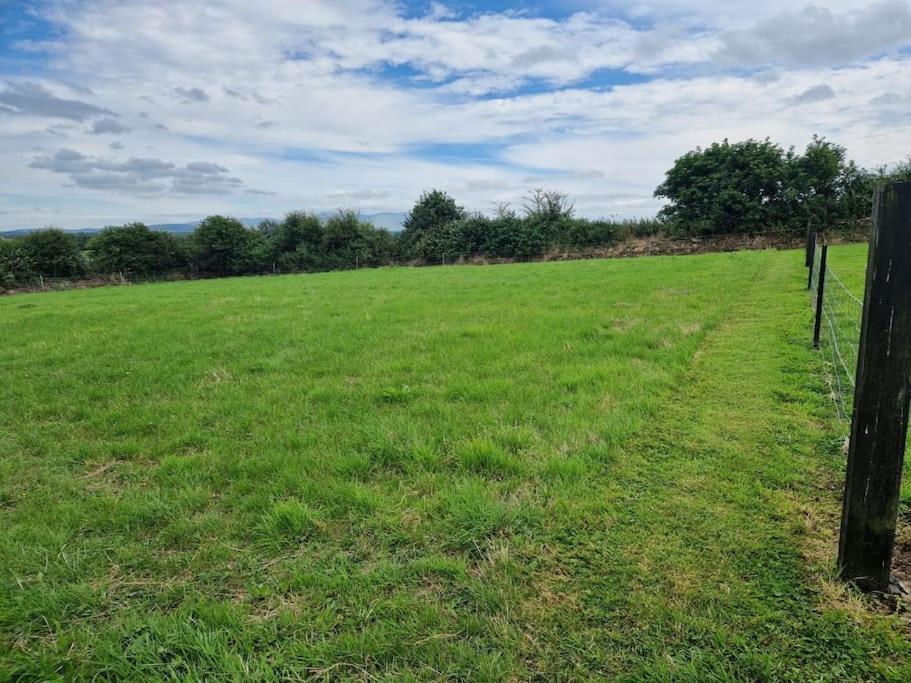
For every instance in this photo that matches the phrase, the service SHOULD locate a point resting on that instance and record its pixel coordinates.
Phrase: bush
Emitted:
(349, 242)
(15, 264)
(582, 233)
(53, 253)
(223, 246)
(294, 243)
(548, 206)
(432, 212)
(133, 249)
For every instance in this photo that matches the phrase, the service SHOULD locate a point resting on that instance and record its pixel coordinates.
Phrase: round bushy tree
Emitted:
(295, 243)
(53, 253)
(134, 249)
(725, 187)
(432, 211)
(223, 246)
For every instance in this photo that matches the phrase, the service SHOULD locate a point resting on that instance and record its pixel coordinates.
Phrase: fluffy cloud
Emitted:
(817, 93)
(360, 103)
(817, 36)
(139, 176)
(190, 95)
(33, 99)
(108, 125)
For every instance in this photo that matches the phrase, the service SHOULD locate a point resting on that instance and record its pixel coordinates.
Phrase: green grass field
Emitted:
(619, 469)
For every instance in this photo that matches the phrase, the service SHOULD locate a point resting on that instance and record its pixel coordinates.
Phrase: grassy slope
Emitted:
(587, 468)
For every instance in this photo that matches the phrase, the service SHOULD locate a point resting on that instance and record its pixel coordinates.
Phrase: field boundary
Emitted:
(652, 245)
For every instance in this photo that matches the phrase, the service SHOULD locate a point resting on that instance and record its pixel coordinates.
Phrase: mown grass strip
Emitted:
(709, 561)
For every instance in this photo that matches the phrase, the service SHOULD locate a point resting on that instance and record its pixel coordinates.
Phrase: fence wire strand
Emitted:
(839, 334)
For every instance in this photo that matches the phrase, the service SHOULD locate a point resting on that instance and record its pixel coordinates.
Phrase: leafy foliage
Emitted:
(15, 263)
(133, 249)
(223, 246)
(53, 253)
(433, 210)
(752, 186)
(548, 205)
(725, 188)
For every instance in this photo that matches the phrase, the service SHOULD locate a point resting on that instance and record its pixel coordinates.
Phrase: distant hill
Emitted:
(388, 220)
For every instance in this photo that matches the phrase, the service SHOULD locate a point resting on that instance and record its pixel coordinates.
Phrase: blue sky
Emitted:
(119, 110)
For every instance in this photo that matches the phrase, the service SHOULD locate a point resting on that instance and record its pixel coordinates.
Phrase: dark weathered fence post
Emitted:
(808, 256)
(811, 257)
(820, 294)
(880, 420)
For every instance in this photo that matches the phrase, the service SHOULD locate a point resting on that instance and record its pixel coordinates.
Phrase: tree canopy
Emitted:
(432, 211)
(756, 185)
(133, 249)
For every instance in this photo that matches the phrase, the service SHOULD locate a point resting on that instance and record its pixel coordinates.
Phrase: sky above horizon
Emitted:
(121, 110)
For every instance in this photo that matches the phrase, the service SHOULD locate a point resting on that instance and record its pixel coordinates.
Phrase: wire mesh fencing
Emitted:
(839, 313)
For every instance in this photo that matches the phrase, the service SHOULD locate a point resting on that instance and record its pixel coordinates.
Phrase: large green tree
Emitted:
(432, 212)
(756, 185)
(726, 187)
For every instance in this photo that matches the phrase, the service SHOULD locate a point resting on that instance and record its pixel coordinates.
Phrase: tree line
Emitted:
(744, 187)
(435, 229)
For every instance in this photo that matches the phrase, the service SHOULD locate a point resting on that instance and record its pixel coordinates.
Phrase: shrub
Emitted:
(15, 264)
(583, 233)
(549, 206)
(432, 211)
(53, 253)
(296, 242)
(223, 246)
(348, 242)
(134, 249)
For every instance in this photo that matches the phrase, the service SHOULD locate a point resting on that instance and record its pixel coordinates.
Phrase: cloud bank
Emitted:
(366, 103)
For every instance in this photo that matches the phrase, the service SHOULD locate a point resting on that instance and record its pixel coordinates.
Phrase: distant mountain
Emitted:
(388, 220)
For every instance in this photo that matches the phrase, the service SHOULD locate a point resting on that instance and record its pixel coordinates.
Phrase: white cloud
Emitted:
(817, 36)
(816, 93)
(334, 101)
(143, 176)
(27, 98)
(108, 125)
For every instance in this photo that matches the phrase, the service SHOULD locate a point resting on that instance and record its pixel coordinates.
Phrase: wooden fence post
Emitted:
(820, 294)
(811, 259)
(880, 419)
(807, 255)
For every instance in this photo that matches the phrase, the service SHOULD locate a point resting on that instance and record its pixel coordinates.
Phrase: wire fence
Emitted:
(840, 316)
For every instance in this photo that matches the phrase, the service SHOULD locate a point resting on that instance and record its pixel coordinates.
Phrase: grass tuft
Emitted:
(290, 521)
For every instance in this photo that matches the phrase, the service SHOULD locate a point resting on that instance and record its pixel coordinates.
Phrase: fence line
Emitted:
(868, 344)
(878, 341)
(840, 313)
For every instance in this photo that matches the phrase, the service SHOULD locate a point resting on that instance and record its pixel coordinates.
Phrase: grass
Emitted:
(555, 471)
